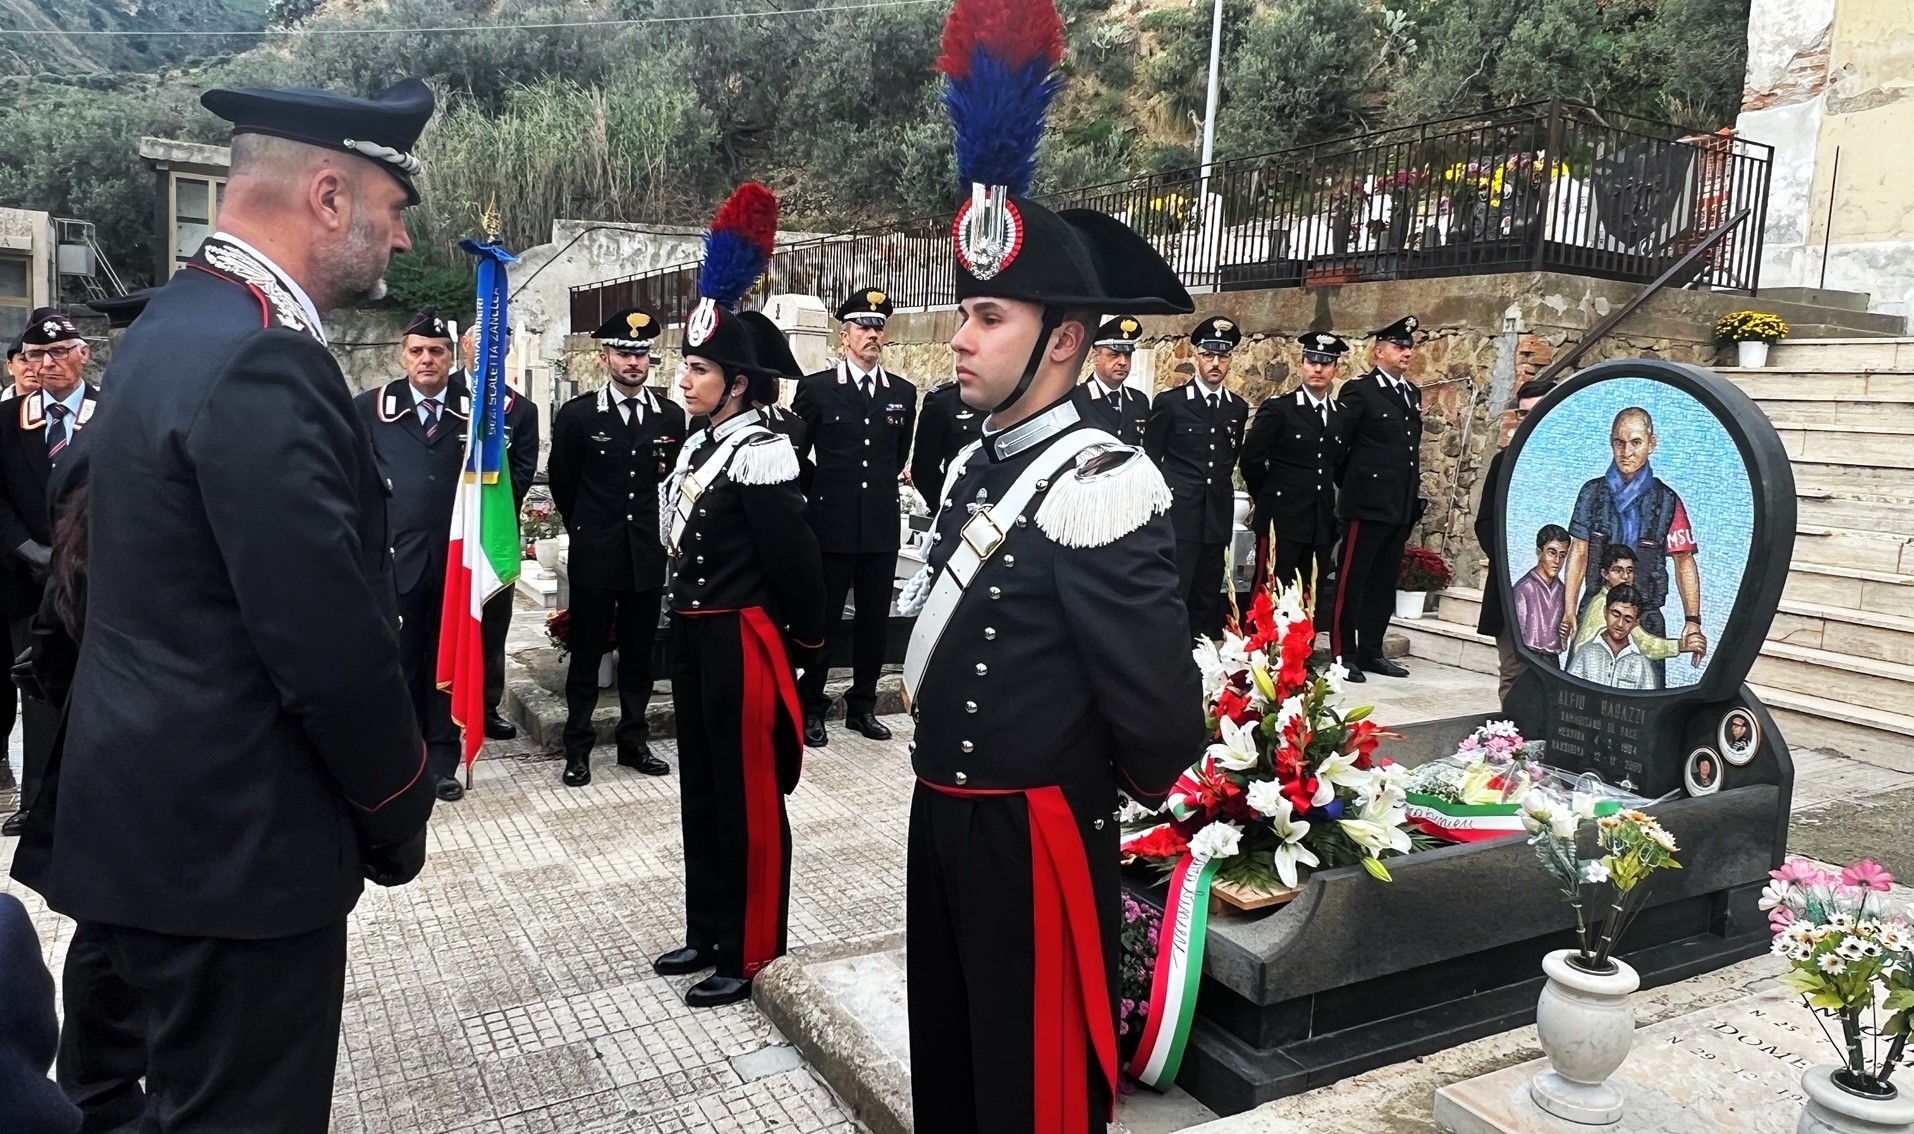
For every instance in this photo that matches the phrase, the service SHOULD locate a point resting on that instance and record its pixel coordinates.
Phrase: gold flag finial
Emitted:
(491, 221)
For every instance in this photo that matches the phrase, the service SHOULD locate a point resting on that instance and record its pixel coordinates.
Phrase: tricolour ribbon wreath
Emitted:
(1179, 968)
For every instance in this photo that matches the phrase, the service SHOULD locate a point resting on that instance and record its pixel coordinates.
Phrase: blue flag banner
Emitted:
(485, 453)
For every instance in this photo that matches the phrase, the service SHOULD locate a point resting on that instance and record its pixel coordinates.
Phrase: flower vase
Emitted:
(1240, 507)
(1753, 354)
(1411, 604)
(547, 552)
(1835, 1109)
(1586, 1023)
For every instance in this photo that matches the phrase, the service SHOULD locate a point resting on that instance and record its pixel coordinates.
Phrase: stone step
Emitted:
(1885, 637)
(1846, 547)
(1880, 592)
(1448, 643)
(1871, 412)
(1770, 382)
(1848, 444)
(1852, 680)
(1859, 732)
(1852, 482)
(1817, 297)
(1460, 605)
(1848, 352)
(1818, 509)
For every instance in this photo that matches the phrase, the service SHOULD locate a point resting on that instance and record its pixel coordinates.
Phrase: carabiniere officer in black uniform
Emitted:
(1106, 399)
(611, 449)
(1381, 497)
(418, 425)
(857, 423)
(1291, 462)
(944, 427)
(1194, 436)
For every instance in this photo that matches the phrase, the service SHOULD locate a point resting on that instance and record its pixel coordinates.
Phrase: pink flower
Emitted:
(1779, 919)
(1801, 872)
(1868, 875)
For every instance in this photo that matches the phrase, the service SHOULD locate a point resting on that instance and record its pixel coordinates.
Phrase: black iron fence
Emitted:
(1548, 186)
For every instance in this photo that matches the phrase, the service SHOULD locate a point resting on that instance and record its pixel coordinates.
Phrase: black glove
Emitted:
(26, 679)
(395, 864)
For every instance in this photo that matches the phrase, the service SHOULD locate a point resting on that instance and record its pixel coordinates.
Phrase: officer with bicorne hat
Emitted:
(1292, 459)
(1050, 660)
(858, 421)
(611, 449)
(1379, 500)
(1106, 397)
(240, 751)
(418, 425)
(1194, 436)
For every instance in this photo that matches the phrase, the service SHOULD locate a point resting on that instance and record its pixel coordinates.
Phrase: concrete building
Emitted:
(189, 184)
(28, 267)
(1830, 85)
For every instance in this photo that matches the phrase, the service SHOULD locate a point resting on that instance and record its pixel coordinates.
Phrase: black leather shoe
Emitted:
(1385, 667)
(683, 962)
(642, 760)
(715, 991)
(1354, 675)
(868, 725)
(814, 735)
(449, 789)
(498, 728)
(577, 771)
(14, 824)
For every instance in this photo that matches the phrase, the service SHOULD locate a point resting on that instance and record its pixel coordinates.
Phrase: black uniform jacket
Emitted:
(1125, 413)
(1382, 480)
(1291, 462)
(859, 445)
(1062, 664)
(24, 468)
(604, 478)
(1196, 448)
(943, 429)
(238, 724)
(423, 474)
(1491, 620)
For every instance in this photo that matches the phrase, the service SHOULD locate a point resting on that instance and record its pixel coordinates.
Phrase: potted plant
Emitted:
(1850, 960)
(1423, 571)
(1752, 332)
(540, 527)
(1584, 1018)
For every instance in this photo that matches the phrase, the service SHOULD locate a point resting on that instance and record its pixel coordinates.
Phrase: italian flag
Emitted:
(485, 551)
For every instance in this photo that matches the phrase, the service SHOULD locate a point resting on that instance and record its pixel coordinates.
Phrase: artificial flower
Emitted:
(1773, 895)
(1219, 840)
(1868, 875)
(1594, 870)
(1832, 965)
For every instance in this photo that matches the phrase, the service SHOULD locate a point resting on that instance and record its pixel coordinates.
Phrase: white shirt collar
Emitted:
(1202, 389)
(858, 376)
(292, 285)
(420, 397)
(1392, 379)
(1305, 398)
(72, 401)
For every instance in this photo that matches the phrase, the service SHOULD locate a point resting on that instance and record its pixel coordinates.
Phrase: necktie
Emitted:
(431, 418)
(869, 386)
(57, 436)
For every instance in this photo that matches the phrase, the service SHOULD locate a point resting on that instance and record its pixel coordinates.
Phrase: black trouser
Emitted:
(1366, 588)
(39, 721)
(230, 1035)
(594, 612)
(419, 611)
(1199, 574)
(9, 704)
(970, 942)
(497, 624)
(719, 782)
(1313, 563)
(868, 577)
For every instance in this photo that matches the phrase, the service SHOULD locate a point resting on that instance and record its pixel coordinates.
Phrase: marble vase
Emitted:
(1833, 1109)
(1586, 1023)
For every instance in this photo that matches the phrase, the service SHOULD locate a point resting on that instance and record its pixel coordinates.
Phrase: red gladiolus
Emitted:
(1163, 842)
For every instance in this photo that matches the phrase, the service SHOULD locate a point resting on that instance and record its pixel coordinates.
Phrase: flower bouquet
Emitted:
(538, 519)
(1751, 326)
(1476, 794)
(1630, 847)
(1851, 961)
(1290, 781)
(1423, 570)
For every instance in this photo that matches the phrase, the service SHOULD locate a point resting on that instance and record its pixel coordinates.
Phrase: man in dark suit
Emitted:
(611, 449)
(240, 750)
(35, 430)
(1492, 620)
(1106, 399)
(1380, 499)
(857, 427)
(1194, 436)
(1291, 462)
(944, 426)
(418, 425)
(521, 455)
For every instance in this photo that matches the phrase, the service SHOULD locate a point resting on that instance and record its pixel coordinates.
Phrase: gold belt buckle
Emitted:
(983, 533)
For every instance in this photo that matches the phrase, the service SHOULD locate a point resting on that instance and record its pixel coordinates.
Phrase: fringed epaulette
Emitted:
(768, 459)
(1113, 491)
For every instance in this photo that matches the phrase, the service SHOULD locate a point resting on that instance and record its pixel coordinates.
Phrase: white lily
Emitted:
(1375, 837)
(1325, 791)
(1340, 769)
(1237, 752)
(1291, 852)
(1219, 840)
(1265, 797)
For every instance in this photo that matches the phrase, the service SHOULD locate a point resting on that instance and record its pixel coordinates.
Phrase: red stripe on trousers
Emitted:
(1342, 585)
(767, 683)
(1262, 564)
(1071, 1014)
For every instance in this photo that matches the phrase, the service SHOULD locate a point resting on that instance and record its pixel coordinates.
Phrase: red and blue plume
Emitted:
(1001, 58)
(738, 249)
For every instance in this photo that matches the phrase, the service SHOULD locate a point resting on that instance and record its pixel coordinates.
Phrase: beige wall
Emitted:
(30, 231)
(1826, 75)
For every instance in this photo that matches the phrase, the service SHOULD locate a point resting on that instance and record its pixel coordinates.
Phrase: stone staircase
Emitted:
(1837, 669)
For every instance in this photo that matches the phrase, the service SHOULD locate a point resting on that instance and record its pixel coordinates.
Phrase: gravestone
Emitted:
(1356, 974)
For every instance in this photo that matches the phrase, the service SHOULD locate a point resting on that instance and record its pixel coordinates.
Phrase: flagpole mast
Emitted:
(492, 223)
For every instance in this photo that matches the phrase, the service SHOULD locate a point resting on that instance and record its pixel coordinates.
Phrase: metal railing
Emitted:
(1547, 186)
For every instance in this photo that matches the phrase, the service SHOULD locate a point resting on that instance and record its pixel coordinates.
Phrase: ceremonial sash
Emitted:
(767, 686)
(1179, 969)
(680, 497)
